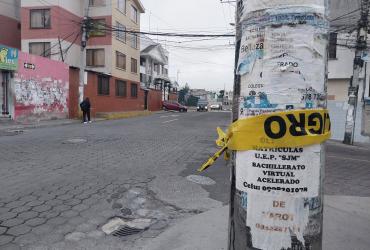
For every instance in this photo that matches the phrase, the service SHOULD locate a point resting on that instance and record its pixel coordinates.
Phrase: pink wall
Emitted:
(10, 32)
(64, 24)
(42, 93)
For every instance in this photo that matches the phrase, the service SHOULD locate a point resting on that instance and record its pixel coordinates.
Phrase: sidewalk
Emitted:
(10, 127)
(346, 227)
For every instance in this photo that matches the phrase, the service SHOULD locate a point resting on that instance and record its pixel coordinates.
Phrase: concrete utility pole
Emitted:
(281, 64)
(84, 37)
(358, 64)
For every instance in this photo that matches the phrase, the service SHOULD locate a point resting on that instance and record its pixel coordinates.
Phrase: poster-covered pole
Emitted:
(281, 64)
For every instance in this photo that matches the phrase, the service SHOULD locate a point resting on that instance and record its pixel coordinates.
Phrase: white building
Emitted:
(154, 67)
(341, 57)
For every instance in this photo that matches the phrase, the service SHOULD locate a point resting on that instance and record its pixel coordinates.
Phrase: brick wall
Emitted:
(74, 79)
(173, 97)
(111, 102)
(154, 100)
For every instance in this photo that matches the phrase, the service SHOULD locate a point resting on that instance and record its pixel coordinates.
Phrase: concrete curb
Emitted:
(55, 123)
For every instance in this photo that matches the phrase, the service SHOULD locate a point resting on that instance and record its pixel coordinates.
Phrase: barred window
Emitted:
(121, 88)
(103, 85)
(40, 19)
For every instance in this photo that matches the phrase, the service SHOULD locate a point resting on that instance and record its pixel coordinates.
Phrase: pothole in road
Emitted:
(75, 141)
(138, 212)
(201, 180)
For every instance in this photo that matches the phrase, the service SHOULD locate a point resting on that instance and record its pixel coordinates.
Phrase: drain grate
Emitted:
(127, 231)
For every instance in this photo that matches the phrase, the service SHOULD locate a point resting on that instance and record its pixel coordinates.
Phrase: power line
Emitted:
(344, 15)
(168, 34)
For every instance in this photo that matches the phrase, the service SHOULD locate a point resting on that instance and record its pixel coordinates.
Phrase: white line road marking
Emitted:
(164, 116)
(345, 158)
(170, 121)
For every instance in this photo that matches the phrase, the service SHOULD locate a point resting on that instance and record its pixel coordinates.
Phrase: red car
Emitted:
(173, 105)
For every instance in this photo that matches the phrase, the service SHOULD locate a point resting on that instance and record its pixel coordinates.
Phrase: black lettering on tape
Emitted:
(268, 127)
(298, 127)
(312, 121)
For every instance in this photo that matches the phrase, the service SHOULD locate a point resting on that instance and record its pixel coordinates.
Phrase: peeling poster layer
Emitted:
(282, 64)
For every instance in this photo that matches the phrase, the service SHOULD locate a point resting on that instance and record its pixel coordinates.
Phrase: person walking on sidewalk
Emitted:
(85, 107)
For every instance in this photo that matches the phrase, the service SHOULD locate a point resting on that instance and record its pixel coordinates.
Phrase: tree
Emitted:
(221, 95)
(192, 101)
(183, 93)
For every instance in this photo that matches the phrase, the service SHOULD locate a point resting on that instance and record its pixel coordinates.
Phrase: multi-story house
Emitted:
(9, 21)
(53, 29)
(154, 65)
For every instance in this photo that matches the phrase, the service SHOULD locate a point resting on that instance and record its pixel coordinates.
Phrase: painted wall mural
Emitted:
(41, 91)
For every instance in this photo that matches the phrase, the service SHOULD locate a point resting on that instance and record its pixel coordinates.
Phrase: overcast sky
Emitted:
(202, 64)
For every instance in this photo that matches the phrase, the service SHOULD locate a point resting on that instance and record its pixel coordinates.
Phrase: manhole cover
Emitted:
(121, 228)
(75, 141)
(127, 231)
(14, 132)
(202, 180)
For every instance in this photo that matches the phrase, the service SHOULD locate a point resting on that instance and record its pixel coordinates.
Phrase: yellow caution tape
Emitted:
(295, 128)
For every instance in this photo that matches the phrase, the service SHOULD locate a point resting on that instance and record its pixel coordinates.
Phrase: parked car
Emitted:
(173, 105)
(216, 106)
(202, 106)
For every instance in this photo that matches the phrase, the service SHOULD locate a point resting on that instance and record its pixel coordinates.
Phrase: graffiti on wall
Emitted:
(41, 95)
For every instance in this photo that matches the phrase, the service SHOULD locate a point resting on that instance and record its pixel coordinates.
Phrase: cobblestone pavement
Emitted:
(60, 185)
(347, 170)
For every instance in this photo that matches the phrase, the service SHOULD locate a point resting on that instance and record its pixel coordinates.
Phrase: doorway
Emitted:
(4, 93)
(146, 99)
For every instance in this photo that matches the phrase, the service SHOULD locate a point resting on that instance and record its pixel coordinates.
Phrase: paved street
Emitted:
(60, 185)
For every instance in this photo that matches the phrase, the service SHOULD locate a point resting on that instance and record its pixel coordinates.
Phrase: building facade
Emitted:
(112, 78)
(10, 20)
(154, 67)
(342, 42)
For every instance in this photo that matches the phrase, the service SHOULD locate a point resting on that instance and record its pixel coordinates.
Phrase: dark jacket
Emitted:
(85, 106)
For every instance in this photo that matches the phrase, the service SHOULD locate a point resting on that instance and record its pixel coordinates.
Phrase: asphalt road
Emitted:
(60, 185)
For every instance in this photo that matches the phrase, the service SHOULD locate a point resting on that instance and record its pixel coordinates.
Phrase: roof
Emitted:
(139, 5)
(149, 48)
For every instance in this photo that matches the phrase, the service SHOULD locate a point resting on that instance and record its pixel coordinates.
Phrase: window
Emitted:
(142, 61)
(156, 68)
(120, 60)
(133, 65)
(134, 16)
(40, 19)
(98, 27)
(121, 88)
(103, 85)
(120, 33)
(95, 57)
(133, 90)
(96, 2)
(333, 38)
(121, 6)
(134, 42)
(142, 76)
(40, 49)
